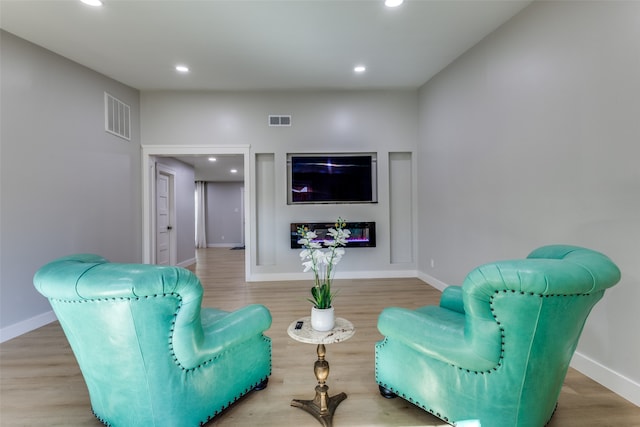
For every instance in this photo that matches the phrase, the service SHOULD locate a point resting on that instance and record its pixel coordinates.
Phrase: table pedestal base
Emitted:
(314, 406)
(321, 407)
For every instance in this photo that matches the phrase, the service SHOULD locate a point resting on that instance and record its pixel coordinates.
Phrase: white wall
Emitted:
(224, 223)
(66, 185)
(323, 121)
(532, 138)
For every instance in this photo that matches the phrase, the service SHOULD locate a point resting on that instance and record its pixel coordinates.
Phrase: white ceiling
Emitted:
(220, 170)
(259, 44)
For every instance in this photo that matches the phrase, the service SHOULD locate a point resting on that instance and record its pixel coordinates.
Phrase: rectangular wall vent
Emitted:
(279, 120)
(117, 117)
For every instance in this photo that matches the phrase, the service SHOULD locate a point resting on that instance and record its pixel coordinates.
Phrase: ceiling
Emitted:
(218, 170)
(259, 44)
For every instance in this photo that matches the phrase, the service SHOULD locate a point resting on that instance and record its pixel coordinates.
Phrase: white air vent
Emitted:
(117, 117)
(279, 120)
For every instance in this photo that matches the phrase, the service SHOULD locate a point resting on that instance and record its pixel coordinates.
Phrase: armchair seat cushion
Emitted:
(433, 332)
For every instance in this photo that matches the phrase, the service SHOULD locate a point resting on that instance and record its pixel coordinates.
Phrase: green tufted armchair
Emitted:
(149, 354)
(496, 351)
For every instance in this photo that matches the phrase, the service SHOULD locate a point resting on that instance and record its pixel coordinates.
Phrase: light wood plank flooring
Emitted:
(42, 385)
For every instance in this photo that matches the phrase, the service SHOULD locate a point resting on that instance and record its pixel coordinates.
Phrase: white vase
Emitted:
(322, 319)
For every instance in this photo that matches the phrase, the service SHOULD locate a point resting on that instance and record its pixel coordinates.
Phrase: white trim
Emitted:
(614, 381)
(187, 263)
(243, 219)
(439, 285)
(270, 277)
(28, 325)
(223, 245)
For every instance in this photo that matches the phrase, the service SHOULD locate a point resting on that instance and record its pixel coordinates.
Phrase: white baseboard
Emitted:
(614, 381)
(273, 277)
(223, 245)
(25, 326)
(439, 285)
(187, 262)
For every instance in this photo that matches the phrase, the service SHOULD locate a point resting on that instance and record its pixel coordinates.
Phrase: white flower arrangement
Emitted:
(323, 261)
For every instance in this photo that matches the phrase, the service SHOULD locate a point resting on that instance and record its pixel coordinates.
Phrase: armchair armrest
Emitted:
(220, 331)
(451, 299)
(436, 332)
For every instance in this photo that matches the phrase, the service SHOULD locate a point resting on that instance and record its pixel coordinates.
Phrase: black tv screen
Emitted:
(332, 178)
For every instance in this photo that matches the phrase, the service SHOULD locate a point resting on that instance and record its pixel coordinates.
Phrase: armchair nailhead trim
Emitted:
(171, 348)
(430, 410)
(502, 338)
(103, 421)
(502, 344)
(123, 299)
(228, 404)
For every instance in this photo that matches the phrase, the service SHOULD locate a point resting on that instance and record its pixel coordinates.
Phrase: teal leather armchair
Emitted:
(149, 354)
(496, 350)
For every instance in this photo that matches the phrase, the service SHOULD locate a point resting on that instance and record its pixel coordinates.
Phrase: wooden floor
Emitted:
(41, 384)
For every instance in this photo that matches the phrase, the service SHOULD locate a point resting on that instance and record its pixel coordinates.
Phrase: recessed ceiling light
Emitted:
(393, 3)
(212, 159)
(234, 171)
(182, 68)
(92, 2)
(360, 69)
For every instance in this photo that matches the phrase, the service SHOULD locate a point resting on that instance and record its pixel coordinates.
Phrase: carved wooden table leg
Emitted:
(322, 407)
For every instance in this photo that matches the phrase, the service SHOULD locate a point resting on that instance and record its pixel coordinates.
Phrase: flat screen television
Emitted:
(332, 178)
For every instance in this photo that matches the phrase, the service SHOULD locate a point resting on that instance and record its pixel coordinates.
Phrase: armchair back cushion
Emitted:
(497, 349)
(149, 354)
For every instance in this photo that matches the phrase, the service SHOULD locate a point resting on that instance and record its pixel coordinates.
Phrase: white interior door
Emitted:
(242, 216)
(165, 252)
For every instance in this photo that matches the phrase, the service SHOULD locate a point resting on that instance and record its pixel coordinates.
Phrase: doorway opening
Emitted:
(149, 214)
